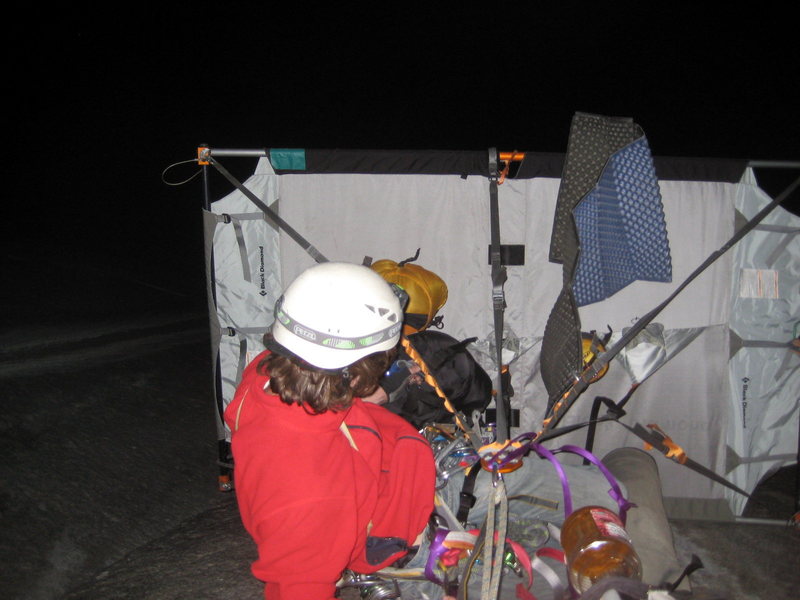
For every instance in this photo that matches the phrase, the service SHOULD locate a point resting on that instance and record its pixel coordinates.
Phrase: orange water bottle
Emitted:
(596, 545)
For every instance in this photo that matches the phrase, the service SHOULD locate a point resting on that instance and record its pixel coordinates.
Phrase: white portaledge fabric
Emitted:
(247, 282)
(692, 387)
(764, 373)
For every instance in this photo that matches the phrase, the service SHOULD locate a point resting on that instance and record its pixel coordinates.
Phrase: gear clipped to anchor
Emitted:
(591, 347)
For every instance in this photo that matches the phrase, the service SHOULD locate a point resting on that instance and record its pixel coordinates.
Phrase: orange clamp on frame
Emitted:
(508, 158)
(203, 152)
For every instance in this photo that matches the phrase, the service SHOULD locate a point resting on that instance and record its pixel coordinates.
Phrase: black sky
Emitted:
(103, 103)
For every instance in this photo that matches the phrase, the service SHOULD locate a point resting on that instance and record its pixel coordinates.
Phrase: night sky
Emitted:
(102, 103)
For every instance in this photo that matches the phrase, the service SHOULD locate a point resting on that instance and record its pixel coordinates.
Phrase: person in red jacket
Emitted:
(324, 481)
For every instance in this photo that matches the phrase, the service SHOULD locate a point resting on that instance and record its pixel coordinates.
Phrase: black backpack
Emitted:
(462, 379)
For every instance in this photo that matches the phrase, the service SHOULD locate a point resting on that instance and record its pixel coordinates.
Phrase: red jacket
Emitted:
(308, 497)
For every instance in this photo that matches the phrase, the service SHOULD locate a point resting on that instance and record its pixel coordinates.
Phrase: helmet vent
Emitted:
(384, 312)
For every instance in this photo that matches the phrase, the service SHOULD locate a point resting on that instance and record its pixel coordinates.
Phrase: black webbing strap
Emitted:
(651, 436)
(466, 499)
(270, 214)
(498, 296)
(582, 382)
(614, 410)
(663, 444)
(693, 566)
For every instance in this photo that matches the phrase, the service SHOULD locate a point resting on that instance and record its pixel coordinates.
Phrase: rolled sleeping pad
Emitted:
(647, 523)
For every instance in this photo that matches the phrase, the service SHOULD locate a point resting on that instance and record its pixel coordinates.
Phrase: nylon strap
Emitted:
(270, 214)
(466, 499)
(495, 541)
(236, 221)
(615, 492)
(498, 296)
(547, 572)
(237, 229)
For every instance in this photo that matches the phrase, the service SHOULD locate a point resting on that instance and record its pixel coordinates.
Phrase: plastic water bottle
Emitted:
(596, 545)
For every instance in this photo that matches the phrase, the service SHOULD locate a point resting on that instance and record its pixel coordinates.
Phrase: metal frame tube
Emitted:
(774, 164)
(238, 152)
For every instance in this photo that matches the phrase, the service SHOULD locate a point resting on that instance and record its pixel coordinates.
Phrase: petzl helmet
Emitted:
(335, 313)
(427, 291)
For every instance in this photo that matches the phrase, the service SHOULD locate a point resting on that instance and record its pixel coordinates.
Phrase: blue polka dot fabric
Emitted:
(621, 228)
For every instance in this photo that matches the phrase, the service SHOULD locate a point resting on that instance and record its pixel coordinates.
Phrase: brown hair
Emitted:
(320, 391)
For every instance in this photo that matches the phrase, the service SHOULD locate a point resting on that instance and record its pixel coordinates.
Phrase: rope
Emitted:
(172, 166)
(431, 380)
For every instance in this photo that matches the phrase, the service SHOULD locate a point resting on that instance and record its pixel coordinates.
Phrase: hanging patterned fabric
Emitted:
(621, 228)
(608, 231)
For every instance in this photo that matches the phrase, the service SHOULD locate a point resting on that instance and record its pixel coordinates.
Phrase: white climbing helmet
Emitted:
(336, 313)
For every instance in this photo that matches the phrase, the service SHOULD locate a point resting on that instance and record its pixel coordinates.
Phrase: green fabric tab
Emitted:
(291, 159)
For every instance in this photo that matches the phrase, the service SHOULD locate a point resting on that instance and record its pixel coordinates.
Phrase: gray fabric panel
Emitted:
(780, 248)
(647, 522)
